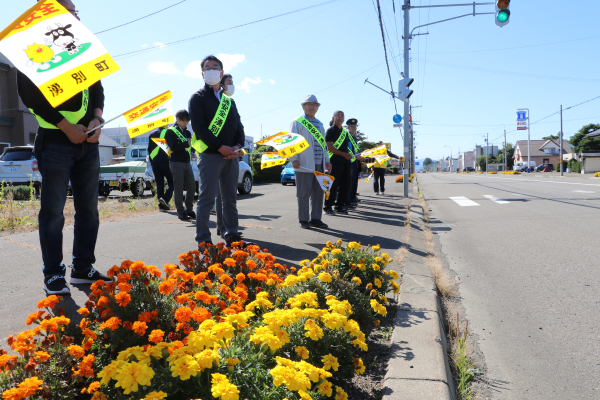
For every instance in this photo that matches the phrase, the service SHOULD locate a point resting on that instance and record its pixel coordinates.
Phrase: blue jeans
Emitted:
(59, 163)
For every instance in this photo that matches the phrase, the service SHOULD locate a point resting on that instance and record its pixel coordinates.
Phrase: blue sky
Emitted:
(470, 75)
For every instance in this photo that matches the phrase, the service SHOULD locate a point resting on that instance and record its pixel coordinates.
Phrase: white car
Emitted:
(522, 166)
(244, 177)
(18, 166)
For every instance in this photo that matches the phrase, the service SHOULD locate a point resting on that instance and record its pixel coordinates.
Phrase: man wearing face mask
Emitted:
(219, 134)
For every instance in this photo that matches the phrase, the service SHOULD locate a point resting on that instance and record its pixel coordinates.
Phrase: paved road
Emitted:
(527, 252)
(268, 217)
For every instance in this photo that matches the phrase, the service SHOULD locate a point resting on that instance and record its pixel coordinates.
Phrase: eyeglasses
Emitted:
(74, 12)
(215, 68)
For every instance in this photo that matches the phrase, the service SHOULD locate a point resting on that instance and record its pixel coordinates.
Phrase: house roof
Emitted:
(594, 134)
(537, 147)
(107, 141)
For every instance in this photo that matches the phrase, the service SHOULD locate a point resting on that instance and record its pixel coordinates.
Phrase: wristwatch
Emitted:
(100, 119)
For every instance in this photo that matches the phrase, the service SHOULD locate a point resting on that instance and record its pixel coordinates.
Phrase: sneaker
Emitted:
(304, 225)
(90, 276)
(341, 210)
(162, 204)
(183, 216)
(238, 238)
(377, 193)
(329, 211)
(317, 223)
(191, 214)
(56, 285)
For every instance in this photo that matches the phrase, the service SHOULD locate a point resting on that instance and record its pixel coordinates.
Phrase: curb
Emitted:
(418, 367)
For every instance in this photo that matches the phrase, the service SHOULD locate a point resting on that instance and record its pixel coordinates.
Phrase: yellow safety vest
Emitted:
(71, 116)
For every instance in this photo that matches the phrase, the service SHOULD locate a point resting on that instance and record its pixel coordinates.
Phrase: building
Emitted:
(491, 151)
(542, 151)
(444, 164)
(467, 159)
(17, 125)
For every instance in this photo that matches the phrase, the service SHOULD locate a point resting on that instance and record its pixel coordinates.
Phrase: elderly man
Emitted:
(315, 158)
(65, 152)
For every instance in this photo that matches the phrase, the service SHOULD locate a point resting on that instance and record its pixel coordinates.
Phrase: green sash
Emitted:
(157, 148)
(71, 116)
(317, 135)
(339, 141)
(217, 123)
(354, 148)
(183, 138)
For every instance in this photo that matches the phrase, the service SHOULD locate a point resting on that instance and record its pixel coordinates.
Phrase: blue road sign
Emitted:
(397, 118)
(417, 163)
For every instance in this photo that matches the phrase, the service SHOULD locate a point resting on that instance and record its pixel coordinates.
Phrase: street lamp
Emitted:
(450, 167)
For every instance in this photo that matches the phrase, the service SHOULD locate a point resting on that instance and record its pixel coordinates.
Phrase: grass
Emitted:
(385, 333)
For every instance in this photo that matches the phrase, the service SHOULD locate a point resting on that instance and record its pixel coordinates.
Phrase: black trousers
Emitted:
(341, 172)
(354, 182)
(162, 171)
(379, 180)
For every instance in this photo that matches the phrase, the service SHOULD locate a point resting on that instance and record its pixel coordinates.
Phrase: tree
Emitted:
(364, 145)
(552, 137)
(480, 162)
(428, 161)
(510, 152)
(582, 144)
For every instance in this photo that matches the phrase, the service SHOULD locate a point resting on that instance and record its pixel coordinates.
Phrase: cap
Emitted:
(311, 98)
(352, 121)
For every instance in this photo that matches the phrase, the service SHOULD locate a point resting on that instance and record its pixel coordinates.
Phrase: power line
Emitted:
(135, 20)
(386, 57)
(226, 29)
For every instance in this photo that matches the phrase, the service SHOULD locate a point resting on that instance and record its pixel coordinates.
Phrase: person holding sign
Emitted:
(218, 136)
(64, 153)
(337, 144)
(315, 158)
(179, 140)
(378, 170)
(159, 159)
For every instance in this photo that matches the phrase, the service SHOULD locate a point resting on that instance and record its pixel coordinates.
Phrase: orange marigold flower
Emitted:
(216, 269)
(29, 386)
(226, 279)
(93, 387)
(201, 314)
(240, 277)
(124, 278)
(124, 287)
(167, 286)
(136, 268)
(127, 325)
(199, 278)
(140, 328)
(183, 314)
(251, 264)
(170, 268)
(152, 270)
(113, 271)
(205, 297)
(48, 302)
(97, 285)
(41, 356)
(156, 336)
(83, 311)
(123, 298)
(230, 262)
(182, 299)
(76, 351)
(34, 317)
(88, 344)
(89, 333)
(145, 317)
(102, 301)
(83, 324)
(112, 324)
(85, 367)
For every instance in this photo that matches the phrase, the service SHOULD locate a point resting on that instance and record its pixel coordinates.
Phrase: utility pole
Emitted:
(407, 36)
(505, 151)
(487, 150)
(561, 142)
(528, 136)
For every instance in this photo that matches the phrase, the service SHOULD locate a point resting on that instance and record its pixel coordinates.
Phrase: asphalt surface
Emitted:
(526, 251)
(268, 217)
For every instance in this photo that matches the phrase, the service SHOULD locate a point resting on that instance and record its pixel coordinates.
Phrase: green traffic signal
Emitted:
(503, 16)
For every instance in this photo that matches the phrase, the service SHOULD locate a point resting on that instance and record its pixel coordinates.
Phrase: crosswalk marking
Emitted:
(496, 200)
(463, 201)
(582, 191)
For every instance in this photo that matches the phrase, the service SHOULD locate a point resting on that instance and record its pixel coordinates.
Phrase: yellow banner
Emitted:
(39, 12)
(269, 160)
(295, 149)
(381, 150)
(141, 129)
(145, 108)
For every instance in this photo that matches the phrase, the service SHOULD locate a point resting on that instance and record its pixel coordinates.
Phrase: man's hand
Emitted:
(227, 152)
(359, 157)
(328, 167)
(347, 156)
(96, 134)
(296, 164)
(76, 133)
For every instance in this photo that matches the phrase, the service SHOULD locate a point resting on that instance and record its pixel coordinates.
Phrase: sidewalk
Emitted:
(268, 217)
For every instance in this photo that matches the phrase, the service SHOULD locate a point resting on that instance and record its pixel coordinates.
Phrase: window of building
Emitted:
(140, 140)
(31, 138)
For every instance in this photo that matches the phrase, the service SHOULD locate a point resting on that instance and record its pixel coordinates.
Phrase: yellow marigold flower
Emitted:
(335, 262)
(185, 367)
(313, 330)
(292, 379)
(325, 277)
(376, 247)
(395, 286)
(377, 282)
(359, 367)
(359, 343)
(383, 299)
(207, 358)
(340, 394)
(385, 256)
(362, 267)
(133, 374)
(304, 396)
(232, 361)
(330, 362)
(223, 389)
(339, 242)
(369, 286)
(307, 298)
(155, 396)
(356, 280)
(333, 320)
(265, 335)
(377, 322)
(353, 246)
(336, 251)
(223, 330)
(304, 263)
(393, 274)
(110, 371)
(302, 352)
(329, 244)
(325, 388)
(376, 267)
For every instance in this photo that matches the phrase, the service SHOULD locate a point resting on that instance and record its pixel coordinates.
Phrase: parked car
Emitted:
(288, 175)
(18, 166)
(521, 166)
(469, 169)
(542, 167)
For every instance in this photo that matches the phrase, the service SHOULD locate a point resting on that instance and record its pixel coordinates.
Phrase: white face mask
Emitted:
(212, 77)
(230, 90)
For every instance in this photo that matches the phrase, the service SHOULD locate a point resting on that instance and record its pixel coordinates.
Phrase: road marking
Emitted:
(548, 180)
(496, 200)
(463, 201)
(582, 191)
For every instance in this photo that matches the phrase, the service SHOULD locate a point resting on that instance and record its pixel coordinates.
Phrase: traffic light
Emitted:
(404, 92)
(502, 12)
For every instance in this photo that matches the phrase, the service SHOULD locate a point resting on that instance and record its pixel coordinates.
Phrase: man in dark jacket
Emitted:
(179, 140)
(64, 153)
(219, 135)
(159, 160)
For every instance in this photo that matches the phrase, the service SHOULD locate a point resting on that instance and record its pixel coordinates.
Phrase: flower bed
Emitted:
(511, 173)
(227, 324)
(400, 179)
(597, 175)
(492, 172)
(480, 172)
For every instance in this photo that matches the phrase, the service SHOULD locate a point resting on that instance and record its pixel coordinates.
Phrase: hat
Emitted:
(311, 98)
(352, 121)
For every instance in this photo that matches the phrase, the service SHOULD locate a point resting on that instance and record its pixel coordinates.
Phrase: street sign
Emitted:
(388, 146)
(398, 125)
(417, 163)
(397, 118)
(521, 120)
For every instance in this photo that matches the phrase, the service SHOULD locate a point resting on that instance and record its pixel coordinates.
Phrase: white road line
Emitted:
(496, 200)
(548, 180)
(463, 201)
(582, 191)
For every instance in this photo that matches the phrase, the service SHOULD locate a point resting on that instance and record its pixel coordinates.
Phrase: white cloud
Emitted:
(159, 67)
(230, 61)
(245, 85)
(193, 70)
(272, 81)
(144, 46)
(159, 44)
